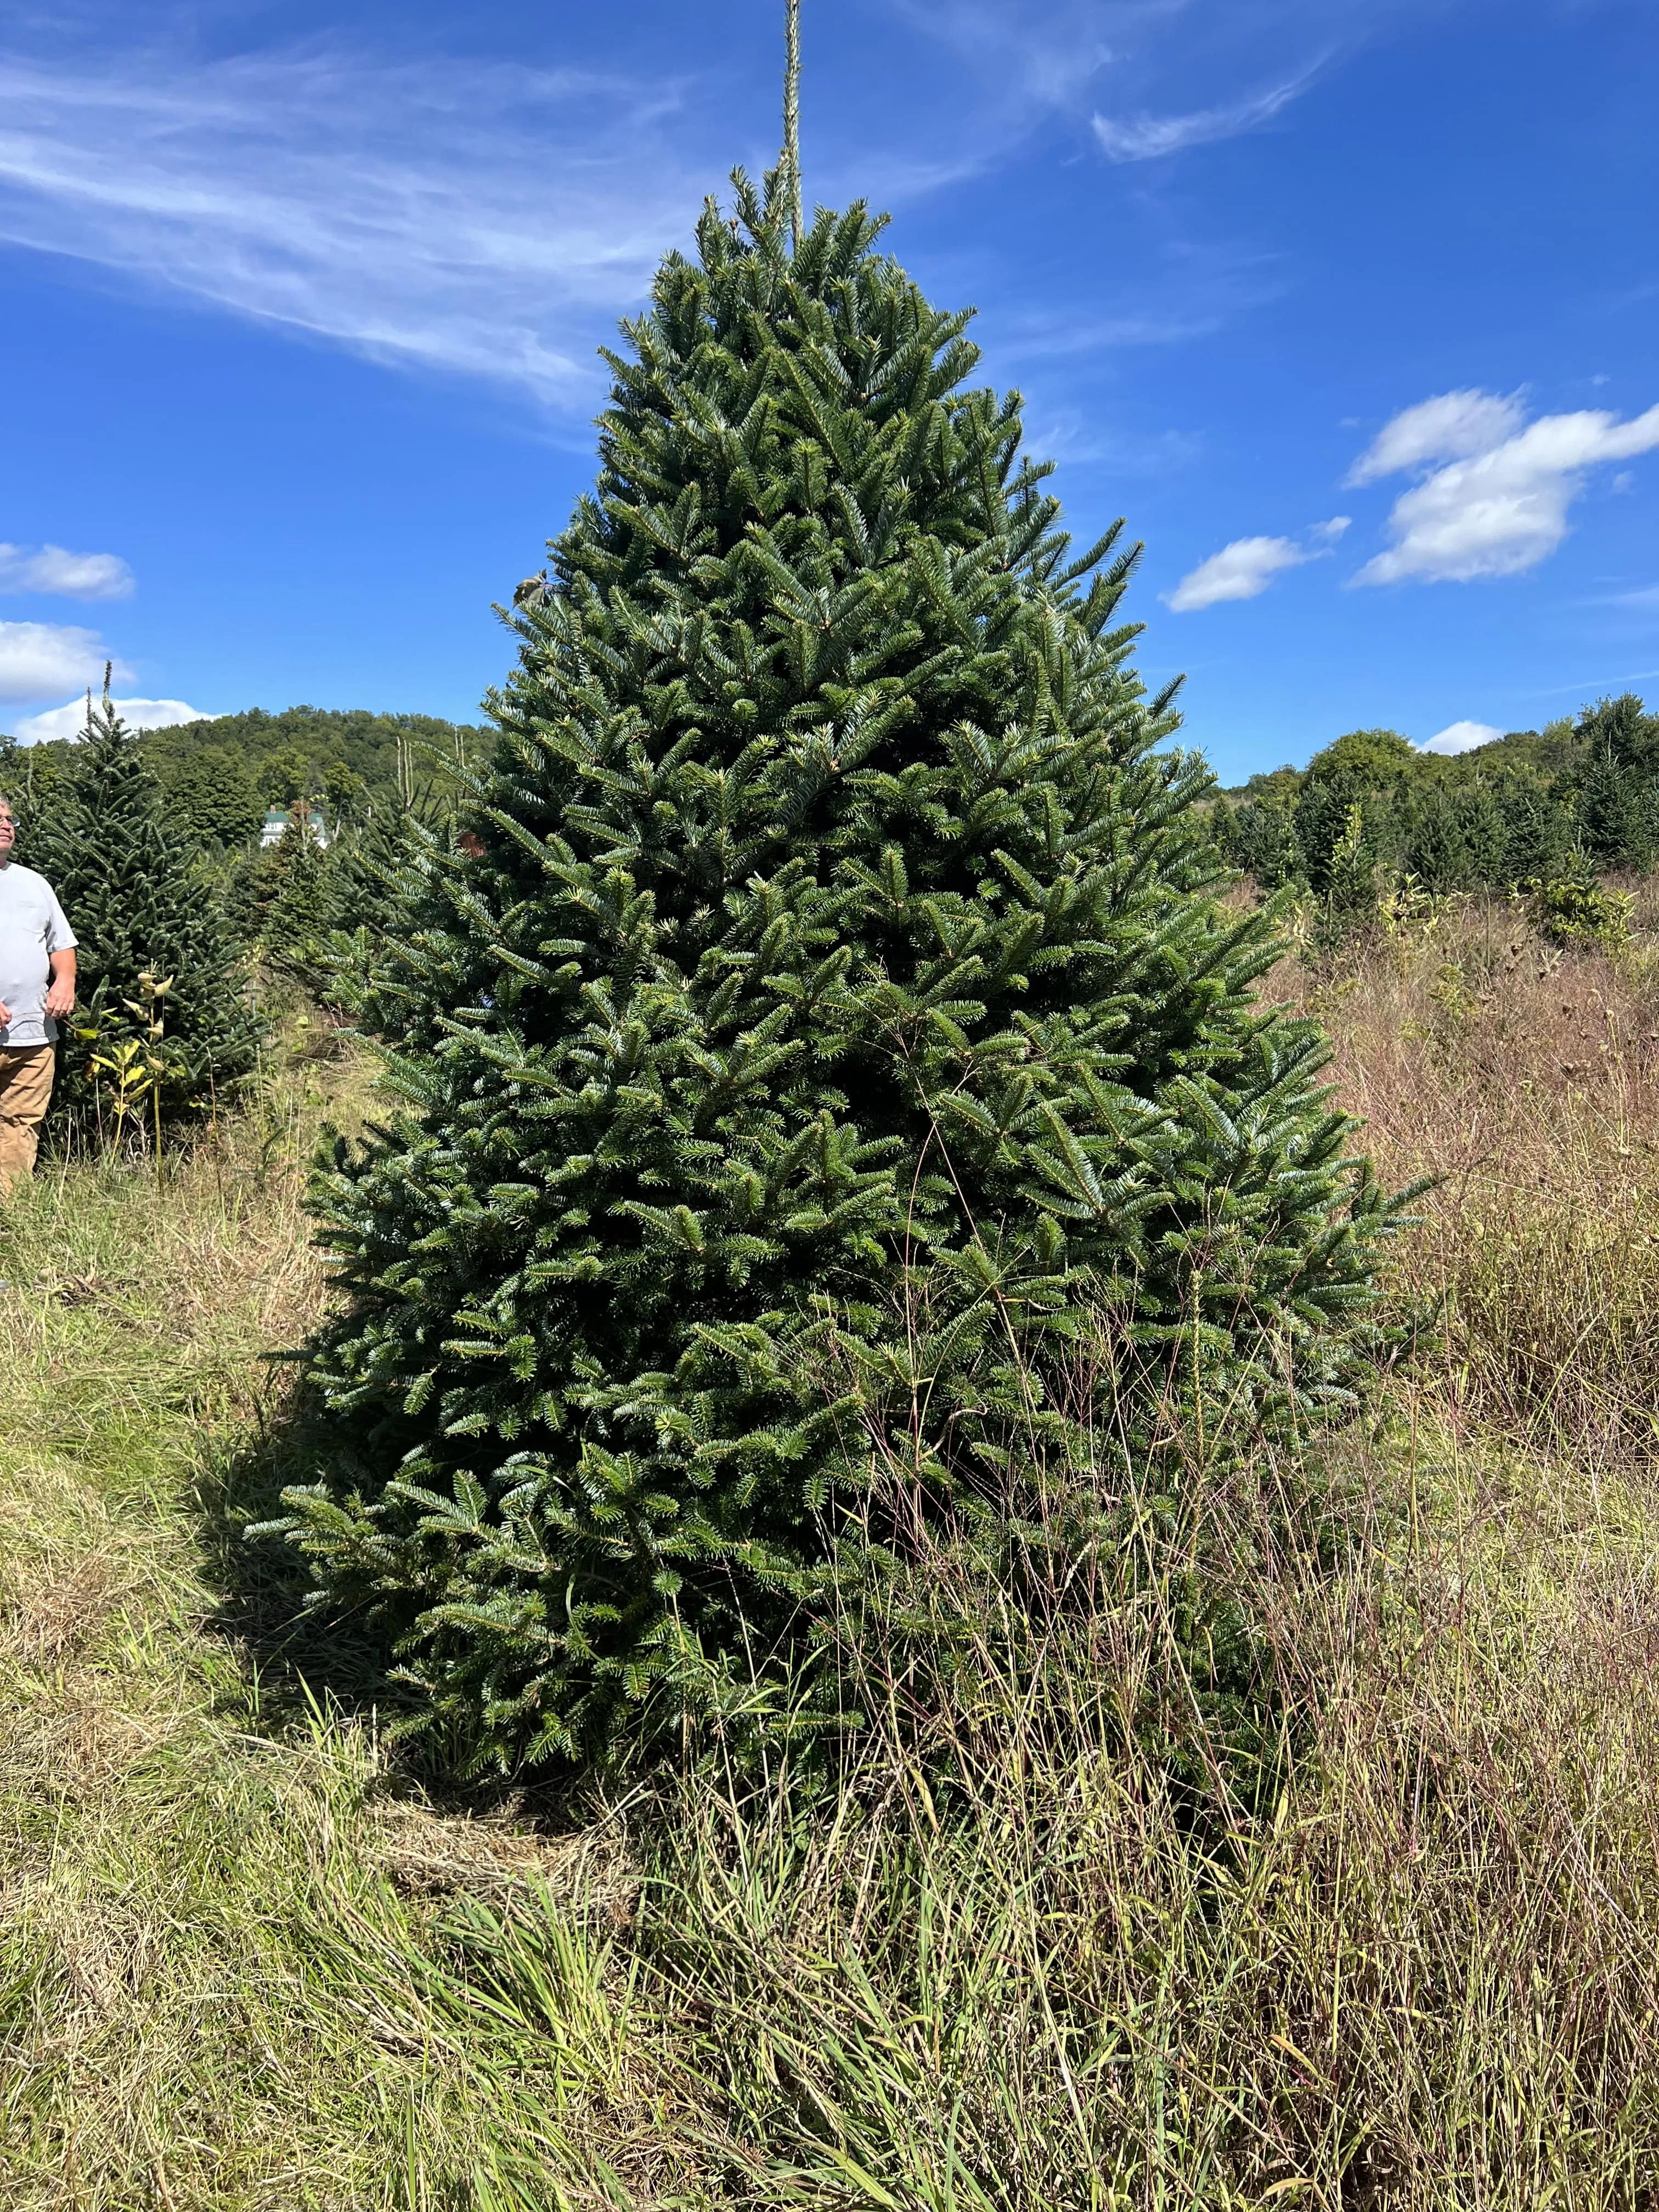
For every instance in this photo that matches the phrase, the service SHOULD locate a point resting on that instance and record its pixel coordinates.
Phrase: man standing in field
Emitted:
(37, 991)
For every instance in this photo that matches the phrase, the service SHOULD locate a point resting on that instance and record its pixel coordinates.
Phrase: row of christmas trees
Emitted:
(1532, 808)
(170, 934)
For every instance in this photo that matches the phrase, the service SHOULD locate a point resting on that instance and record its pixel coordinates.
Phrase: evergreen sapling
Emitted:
(145, 912)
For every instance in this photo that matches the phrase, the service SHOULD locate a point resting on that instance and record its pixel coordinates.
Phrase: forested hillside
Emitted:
(220, 776)
(364, 779)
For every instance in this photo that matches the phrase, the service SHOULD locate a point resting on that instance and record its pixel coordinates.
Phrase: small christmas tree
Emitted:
(146, 915)
(826, 1027)
(293, 901)
(375, 873)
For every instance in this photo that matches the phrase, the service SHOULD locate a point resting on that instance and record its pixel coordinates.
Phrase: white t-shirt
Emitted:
(31, 928)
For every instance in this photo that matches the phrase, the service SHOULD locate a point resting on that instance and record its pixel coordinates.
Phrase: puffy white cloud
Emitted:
(1145, 137)
(69, 720)
(1462, 738)
(1444, 428)
(62, 575)
(37, 659)
(1500, 506)
(1244, 569)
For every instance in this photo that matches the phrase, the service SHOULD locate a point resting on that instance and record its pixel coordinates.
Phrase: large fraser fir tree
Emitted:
(145, 912)
(824, 1030)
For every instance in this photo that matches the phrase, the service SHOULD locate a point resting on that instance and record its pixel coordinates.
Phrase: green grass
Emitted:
(1021, 1959)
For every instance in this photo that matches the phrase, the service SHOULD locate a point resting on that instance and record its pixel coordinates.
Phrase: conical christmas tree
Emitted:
(147, 914)
(830, 1024)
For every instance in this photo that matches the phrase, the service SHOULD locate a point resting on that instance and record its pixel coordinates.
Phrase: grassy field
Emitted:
(246, 1960)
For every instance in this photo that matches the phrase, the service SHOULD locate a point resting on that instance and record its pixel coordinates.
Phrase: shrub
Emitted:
(824, 1023)
(1574, 908)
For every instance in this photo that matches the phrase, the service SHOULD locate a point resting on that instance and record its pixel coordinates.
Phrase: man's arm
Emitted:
(60, 997)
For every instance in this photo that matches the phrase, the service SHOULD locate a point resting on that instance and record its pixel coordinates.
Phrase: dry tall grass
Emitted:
(1020, 1957)
(1025, 1962)
(1524, 1077)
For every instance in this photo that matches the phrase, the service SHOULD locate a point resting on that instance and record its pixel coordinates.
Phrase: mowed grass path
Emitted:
(231, 1967)
(246, 1960)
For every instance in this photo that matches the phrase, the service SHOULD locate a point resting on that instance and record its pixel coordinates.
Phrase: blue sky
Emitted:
(1350, 306)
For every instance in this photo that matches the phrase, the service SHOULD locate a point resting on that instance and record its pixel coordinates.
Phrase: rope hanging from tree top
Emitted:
(791, 118)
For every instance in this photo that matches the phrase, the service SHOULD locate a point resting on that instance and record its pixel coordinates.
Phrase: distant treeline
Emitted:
(1538, 805)
(220, 777)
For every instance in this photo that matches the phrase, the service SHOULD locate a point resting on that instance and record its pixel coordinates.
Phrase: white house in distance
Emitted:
(278, 818)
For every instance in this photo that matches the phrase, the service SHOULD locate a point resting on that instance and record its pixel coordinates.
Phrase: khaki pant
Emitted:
(26, 1073)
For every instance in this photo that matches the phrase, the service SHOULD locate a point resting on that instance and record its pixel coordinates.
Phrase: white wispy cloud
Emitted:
(1462, 738)
(1156, 54)
(478, 218)
(1079, 440)
(70, 719)
(37, 659)
(1243, 570)
(1145, 137)
(1202, 290)
(1038, 52)
(492, 220)
(1055, 336)
(1497, 503)
(56, 573)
